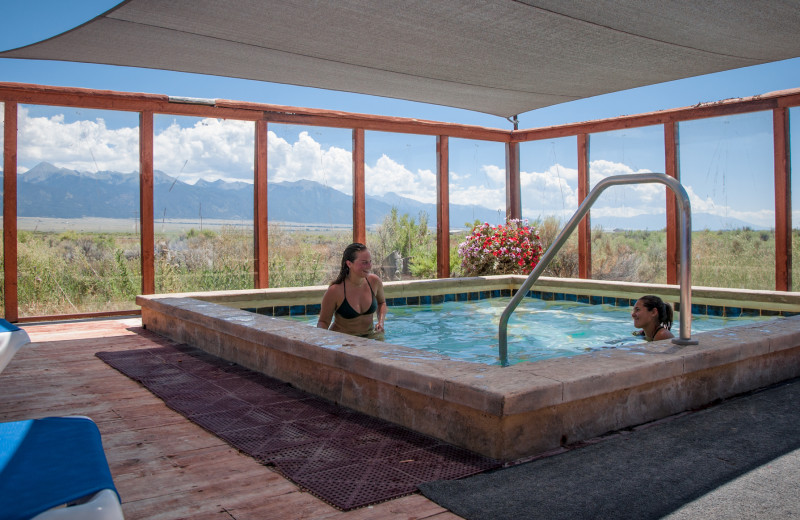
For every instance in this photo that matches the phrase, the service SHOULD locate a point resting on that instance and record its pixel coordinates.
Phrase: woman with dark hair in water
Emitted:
(654, 317)
(353, 298)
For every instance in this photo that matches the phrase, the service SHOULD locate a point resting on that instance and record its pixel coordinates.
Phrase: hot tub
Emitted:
(503, 412)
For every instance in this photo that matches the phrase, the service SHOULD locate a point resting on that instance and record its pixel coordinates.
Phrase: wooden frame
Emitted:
(585, 225)
(147, 105)
(11, 302)
(359, 189)
(783, 200)
(146, 202)
(442, 206)
(261, 222)
(672, 168)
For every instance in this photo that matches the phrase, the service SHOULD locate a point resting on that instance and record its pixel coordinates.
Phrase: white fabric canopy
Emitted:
(502, 57)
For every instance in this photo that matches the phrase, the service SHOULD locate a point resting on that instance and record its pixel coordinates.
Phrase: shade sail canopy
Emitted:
(501, 57)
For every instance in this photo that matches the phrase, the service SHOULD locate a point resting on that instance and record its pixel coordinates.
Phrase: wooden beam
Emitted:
(442, 207)
(783, 200)
(585, 225)
(146, 201)
(727, 107)
(261, 222)
(513, 186)
(245, 111)
(10, 288)
(359, 196)
(672, 168)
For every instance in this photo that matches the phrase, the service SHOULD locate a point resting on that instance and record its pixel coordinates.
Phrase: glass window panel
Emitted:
(549, 185)
(477, 191)
(203, 204)
(400, 185)
(628, 222)
(310, 194)
(78, 203)
(727, 166)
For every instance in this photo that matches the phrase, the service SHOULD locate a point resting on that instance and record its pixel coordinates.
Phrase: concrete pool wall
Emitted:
(503, 412)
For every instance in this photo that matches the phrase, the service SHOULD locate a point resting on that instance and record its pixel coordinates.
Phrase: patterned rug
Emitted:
(346, 458)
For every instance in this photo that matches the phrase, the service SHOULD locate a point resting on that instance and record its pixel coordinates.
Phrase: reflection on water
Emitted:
(537, 330)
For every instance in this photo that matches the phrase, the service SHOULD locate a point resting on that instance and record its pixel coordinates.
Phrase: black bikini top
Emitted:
(642, 334)
(346, 311)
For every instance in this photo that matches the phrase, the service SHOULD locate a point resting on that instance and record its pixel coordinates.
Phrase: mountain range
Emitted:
(49, 191)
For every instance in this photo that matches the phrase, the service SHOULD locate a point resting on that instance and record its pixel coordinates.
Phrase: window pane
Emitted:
(203, 204)
(727, 166)
(400, 185)
(78, 202)
(549, 185)
(310, 203)
(628, 222)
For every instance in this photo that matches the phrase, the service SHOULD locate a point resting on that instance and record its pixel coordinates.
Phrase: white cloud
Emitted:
(550, 192)
(763, 217)
(306, 159)
(211, 149)
(81, 145)
(389, 176)
(493, 198)
(220, 149)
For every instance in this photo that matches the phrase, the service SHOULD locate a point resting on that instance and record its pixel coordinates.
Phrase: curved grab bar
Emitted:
(685, 237)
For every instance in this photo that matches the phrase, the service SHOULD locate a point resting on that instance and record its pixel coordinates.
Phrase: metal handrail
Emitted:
(685, 237)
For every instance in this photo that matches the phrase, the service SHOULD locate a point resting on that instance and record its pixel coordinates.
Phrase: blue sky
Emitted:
(724, 161)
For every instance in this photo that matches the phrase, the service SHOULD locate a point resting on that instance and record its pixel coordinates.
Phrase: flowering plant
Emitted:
(512, 248)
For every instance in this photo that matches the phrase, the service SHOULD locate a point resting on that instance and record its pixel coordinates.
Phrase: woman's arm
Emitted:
(382, 309)
(327, 308)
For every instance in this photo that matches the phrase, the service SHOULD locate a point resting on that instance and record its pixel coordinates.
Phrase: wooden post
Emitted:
(442, 207)
(146, 201)
(513, 187)
(673, 169)
(10, 287)
(359, 197)
(260, 215)
(585, 226)
(783, 200)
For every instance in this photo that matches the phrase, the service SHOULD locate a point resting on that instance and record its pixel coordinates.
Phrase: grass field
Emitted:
(86, 270)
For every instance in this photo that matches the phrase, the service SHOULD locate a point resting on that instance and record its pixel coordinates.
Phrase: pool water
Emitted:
(537, 330)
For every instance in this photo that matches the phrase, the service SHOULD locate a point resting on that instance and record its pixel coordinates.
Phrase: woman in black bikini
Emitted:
(653, 317)
(353, 298)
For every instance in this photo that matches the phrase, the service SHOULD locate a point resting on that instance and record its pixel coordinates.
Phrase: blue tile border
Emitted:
(697, 309)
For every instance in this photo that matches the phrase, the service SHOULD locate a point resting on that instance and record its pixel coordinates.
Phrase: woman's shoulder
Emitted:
(334, 289)
(663, 333)
(374, 278)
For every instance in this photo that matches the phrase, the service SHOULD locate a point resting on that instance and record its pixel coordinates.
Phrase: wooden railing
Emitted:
(147, 105)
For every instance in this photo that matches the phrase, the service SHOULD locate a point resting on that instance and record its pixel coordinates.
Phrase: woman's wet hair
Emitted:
(349, 255)
(664, 309)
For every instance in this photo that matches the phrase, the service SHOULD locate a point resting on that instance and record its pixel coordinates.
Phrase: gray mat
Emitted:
(642, 474)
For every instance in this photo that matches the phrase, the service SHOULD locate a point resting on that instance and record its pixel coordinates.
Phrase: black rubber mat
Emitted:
(346, 458)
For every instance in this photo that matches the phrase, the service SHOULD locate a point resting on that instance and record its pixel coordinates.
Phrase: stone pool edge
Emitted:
(502, 412)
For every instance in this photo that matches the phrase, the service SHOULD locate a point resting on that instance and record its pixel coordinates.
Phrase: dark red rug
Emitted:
(346, 458)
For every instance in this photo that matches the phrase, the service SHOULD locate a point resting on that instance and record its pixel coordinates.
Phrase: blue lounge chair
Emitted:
(11, 339)
(55, 469)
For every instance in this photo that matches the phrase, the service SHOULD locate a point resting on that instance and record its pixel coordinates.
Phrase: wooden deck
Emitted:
(164, 466)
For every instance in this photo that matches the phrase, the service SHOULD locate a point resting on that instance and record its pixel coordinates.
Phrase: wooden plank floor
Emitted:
(164, 466)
